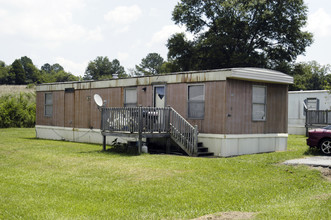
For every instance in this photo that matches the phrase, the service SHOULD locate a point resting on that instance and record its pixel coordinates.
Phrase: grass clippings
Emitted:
(228, 216)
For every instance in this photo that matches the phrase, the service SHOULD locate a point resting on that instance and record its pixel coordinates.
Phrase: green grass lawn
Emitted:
(42, 179)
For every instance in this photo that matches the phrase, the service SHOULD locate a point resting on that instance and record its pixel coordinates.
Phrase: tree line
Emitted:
(22, 72)
(226, 34)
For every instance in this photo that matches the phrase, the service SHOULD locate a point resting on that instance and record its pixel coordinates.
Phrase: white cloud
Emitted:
(47, 22)
(320, 23)
(123, 15)
(75, 68)
(3, 13)
(163, 35)
(122, 56)
(96, 34)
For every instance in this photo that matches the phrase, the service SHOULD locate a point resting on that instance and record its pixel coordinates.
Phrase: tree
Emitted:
(3, 73)
(32, 73)
(102, 68)
(57, 68)
(150, 65)
(311, 76)
(116, 68)
(47, 68)
(235, 33)
(63, 76)
(16, 73)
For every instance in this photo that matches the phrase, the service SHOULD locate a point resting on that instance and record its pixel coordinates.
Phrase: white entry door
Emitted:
(159, 96)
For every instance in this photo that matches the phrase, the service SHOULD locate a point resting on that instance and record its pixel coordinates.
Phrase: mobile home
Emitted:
(309, 99)
(237, 111)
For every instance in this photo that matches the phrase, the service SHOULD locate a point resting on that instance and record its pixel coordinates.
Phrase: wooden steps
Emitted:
(203, 151)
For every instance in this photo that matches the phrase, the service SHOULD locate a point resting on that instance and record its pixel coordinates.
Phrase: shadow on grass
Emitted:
(118, 149)
(115, 150)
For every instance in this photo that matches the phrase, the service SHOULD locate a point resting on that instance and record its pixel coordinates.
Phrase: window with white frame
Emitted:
(130, 99)
(259, 103)
(48, 104)
(196, 101)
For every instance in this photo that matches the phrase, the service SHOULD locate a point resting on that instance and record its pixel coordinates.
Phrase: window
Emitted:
(48, 104)
(259, 103)
(130, 99)
(196, 101)
(311, 104)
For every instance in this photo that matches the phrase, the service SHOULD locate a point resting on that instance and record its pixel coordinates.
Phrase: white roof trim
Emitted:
(262, 75)
(309, 91)
(250, 74)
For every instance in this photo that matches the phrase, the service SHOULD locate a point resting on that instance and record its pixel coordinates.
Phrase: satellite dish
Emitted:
(98, 100)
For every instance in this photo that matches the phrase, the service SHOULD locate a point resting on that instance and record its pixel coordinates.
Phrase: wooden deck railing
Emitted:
(318, 117)
(150, 121)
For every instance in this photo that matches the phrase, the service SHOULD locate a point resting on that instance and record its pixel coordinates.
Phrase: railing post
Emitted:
(168, 119)
(140, 128)
(195, 145)
(326, 116)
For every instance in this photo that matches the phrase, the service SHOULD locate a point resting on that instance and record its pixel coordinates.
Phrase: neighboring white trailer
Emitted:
(313, 99)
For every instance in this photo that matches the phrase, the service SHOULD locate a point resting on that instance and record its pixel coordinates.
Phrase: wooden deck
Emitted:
(140, 122)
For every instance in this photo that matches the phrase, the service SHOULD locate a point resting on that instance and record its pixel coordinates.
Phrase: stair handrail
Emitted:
(181, 131)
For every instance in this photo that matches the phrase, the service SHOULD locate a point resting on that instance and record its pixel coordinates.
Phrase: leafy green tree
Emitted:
(235, 33)
(102, 68)
(47, 68)
(57, 68)
(63, 76)
(16, 73)
(150, 65)
(32, 73)
(116, 68)
(311, 76)
(3, 73)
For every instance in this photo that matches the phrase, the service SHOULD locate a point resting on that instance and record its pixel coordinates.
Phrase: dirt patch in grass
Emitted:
(325, 171)
(228, 215)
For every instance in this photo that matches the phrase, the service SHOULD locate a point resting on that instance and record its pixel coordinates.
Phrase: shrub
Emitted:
(18, 110)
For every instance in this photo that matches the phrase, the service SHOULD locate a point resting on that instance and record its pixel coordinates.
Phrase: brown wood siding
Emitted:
(83, 108)
(69, 109)
(57, 118)
(114, 98)
(177, 98)
(239, 109)
(214, 119)
(145, 98)
(228, 106)
(277, 113)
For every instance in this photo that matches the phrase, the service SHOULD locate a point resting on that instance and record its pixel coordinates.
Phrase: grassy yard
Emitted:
(42, 179)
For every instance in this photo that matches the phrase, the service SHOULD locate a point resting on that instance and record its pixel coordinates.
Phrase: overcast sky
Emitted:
(74, 32)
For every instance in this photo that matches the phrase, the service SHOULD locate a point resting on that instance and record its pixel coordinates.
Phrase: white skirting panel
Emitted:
(222, 145)
(233, 145)
(297, 129)
(75, 134)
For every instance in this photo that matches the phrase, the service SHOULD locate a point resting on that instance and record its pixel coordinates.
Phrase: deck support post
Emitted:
(104, 143)
(168, 145)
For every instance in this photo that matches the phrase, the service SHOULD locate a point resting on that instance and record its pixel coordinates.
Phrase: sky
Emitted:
(75, 32)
